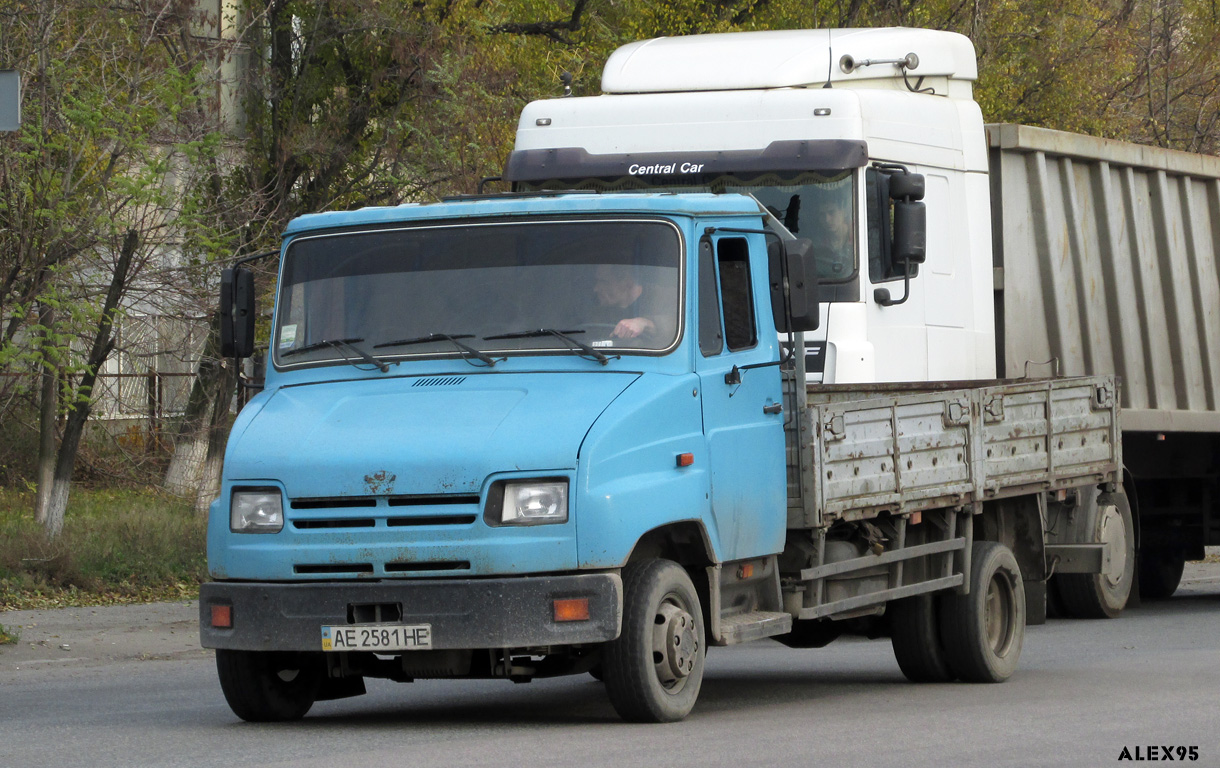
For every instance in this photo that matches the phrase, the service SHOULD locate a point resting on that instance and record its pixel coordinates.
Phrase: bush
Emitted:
(116, 546)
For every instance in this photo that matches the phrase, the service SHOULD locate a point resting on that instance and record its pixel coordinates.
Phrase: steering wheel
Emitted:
(601, 330)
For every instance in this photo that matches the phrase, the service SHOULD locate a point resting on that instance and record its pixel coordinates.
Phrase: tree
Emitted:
(89, 195)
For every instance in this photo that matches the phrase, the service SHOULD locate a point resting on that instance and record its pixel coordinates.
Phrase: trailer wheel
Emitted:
(915, 635)
(983, 631)
(1104, 595)
(1160, 572)
(269, 686)
(654, 670)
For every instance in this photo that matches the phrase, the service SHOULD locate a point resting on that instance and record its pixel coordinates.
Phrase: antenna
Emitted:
(830, 55)
(566, 79)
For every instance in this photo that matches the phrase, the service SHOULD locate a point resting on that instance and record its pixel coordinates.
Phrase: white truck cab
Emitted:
(809, 121)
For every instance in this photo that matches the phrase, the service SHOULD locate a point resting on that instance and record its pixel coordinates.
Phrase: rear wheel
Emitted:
(983, 631)
(269, 686)
(915, 635)
(1103, 595)
(654, 670)
(1160, 572)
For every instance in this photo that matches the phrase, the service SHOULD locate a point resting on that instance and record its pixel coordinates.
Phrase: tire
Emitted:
(915, 635)
(1160, 573)
(266, 686)
(654, 670)
(982, 631)
(1104, 595)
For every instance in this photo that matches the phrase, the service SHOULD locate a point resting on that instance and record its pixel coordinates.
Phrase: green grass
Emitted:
(9, 636)
(117, 546)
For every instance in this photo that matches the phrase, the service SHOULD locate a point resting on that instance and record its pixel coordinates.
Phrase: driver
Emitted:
(623, 302)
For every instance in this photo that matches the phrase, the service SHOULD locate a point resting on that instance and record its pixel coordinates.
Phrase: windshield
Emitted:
(810, 204)
(481, 290)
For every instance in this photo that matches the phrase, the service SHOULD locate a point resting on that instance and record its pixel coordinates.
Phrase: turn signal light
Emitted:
(575, 609)
(686, 459)
(222, 616)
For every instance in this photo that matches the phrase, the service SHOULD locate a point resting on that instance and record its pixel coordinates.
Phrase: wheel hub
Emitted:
(997, 614)
(1113, 534)
(675, 644)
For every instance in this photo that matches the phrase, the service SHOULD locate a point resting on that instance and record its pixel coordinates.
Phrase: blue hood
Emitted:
(419, 435)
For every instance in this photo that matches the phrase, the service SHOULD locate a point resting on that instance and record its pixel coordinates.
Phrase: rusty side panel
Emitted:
(902, 449)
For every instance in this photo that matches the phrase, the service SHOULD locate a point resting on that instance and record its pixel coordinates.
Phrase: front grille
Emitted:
(408, 511)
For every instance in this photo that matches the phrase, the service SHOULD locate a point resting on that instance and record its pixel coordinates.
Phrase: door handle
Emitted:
(773, 409)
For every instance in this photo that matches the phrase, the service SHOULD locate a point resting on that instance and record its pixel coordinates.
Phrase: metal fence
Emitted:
(149, 375)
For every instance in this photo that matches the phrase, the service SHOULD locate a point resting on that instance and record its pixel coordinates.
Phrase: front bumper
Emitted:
(464, 613)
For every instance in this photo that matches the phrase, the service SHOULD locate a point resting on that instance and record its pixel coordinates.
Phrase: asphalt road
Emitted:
(1085, 691)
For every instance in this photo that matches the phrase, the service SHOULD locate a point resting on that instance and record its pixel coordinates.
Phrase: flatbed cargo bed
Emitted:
(899, 449)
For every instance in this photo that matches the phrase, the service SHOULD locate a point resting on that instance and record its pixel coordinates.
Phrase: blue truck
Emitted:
(535, 434)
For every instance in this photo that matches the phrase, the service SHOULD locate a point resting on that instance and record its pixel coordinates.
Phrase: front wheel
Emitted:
(983, 631)
(269, 686)
(654, 670)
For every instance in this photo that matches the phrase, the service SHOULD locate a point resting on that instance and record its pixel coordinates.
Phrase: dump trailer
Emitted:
(540, 435)
(1047, 253)
(1106, 261)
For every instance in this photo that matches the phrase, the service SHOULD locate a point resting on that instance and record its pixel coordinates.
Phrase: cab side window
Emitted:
(732, 257)
(711, 338)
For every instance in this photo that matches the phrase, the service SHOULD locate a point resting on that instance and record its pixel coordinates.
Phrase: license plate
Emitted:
(379, 637)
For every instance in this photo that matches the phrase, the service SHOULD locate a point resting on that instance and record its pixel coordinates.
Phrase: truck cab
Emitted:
(807, 121)
(476, 413)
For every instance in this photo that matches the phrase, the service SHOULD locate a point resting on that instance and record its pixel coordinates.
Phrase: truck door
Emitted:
(741, 395)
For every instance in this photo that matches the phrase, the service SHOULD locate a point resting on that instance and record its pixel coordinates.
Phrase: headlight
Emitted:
(256, 510)
(534, 503)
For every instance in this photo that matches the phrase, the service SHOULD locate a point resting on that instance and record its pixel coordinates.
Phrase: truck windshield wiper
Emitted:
(579, 348)
(341, 345)
(467, 350)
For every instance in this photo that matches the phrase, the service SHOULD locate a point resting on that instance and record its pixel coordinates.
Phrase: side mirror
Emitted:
(906, 186)
(236, 313)
(905, 241)
(794, 286)
(910, 232)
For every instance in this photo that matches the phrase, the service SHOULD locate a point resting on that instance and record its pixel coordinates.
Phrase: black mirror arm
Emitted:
(255, 257)
(882, 295)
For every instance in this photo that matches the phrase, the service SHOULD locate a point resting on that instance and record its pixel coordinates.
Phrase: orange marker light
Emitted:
(574, 609)
(222, 616)
(686, 459)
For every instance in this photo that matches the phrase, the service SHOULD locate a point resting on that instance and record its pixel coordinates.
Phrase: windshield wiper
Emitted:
(451, 338)
(579, 348)
(341, 344)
